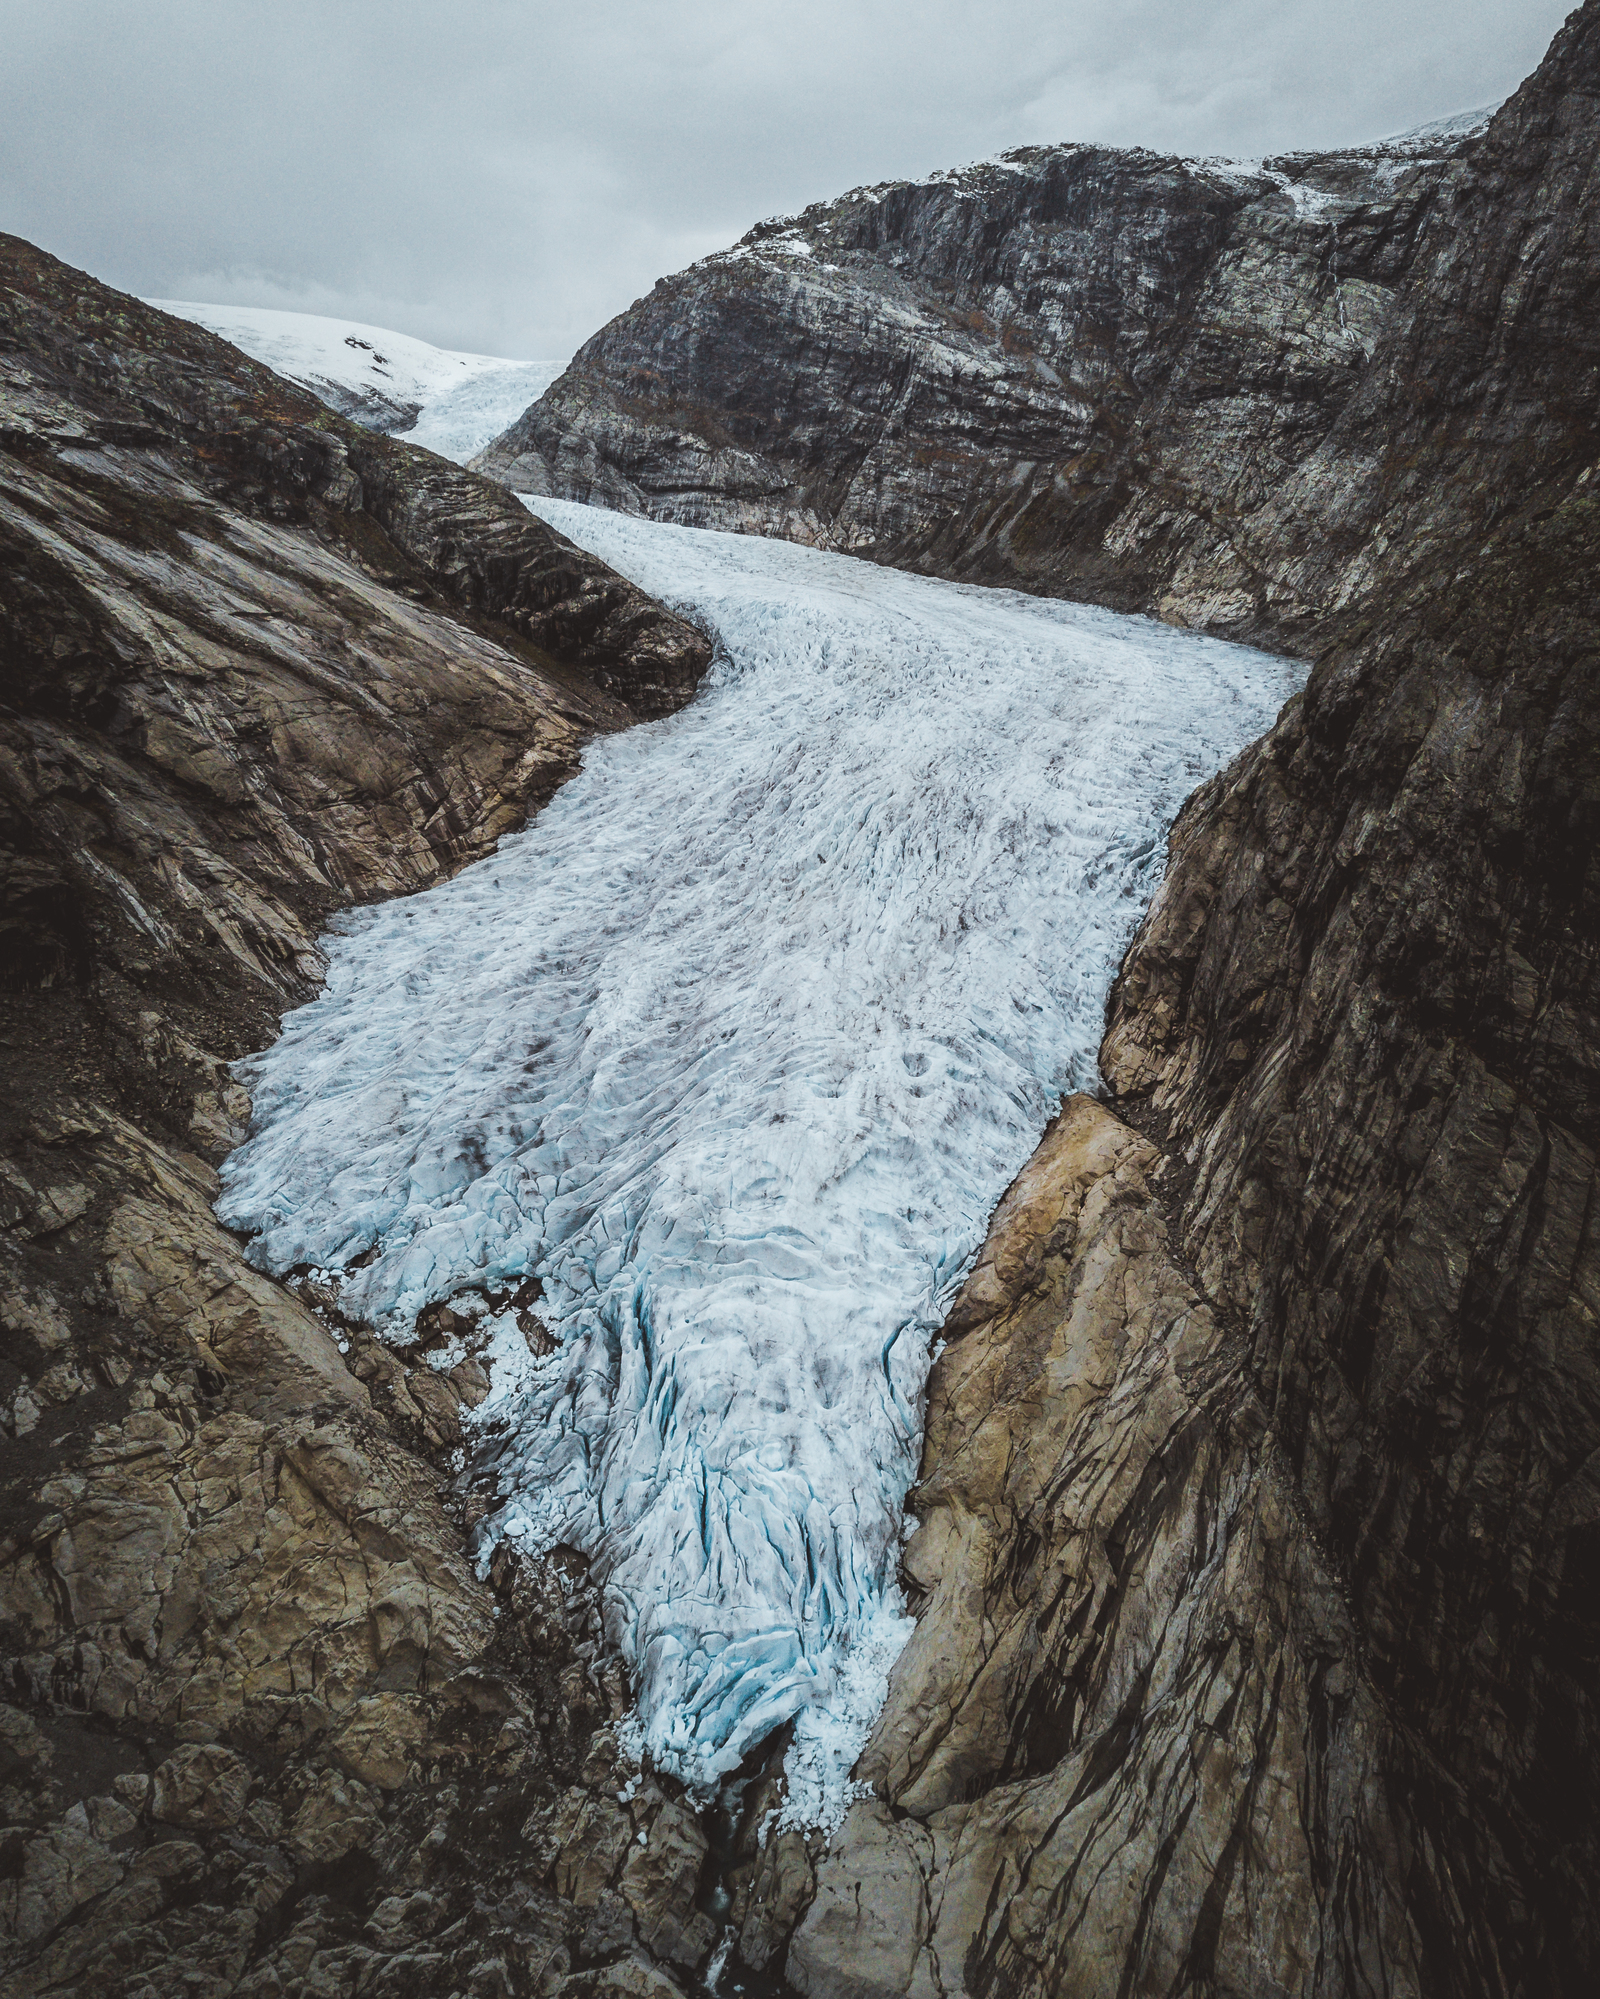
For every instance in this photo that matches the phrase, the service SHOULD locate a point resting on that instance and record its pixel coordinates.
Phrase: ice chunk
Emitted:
(735, 1048)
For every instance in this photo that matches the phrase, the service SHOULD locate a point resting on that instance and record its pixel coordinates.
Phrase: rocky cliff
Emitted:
(262, 1729)
(1259, 1648)
(1085, 371)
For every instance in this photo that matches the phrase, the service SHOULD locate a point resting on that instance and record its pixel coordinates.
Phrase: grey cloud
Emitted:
(507, 176)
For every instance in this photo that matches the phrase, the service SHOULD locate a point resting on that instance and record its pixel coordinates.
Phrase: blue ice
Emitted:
(735, 1047)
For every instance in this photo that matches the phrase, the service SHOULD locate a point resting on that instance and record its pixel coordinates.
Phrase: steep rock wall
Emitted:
(262, 1728)
(1260, 1648)
(1080, 370)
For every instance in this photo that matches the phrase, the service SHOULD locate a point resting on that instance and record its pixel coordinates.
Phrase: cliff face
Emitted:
(1076, 369)
(1259, 1647)
(263, 1727)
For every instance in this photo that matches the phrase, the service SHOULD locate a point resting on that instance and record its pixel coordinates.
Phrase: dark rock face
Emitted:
(1076, 369)
(1260, 1643)
(1366, 1007)
(262, 1728)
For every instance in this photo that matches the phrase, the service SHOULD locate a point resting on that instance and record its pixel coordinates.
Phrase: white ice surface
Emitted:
(736, 1047)
(466, 400)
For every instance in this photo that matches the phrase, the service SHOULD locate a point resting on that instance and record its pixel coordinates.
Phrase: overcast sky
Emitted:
(504, 175)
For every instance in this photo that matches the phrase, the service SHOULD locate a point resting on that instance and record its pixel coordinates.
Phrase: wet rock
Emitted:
(611, 1927)
(781, 1885)
(866, 1928)
(1131, 1729)
(659, 1883)
(629, 1978)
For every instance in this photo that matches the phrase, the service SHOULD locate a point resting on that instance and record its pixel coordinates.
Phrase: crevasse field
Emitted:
(736, 1047)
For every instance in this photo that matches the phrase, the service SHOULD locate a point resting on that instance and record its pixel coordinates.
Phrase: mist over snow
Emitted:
(735, 1047)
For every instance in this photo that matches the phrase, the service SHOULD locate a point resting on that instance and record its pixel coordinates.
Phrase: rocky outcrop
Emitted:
(1132, 1745)
(1365, 1009)
(1259, 1649)
(1257, 1645)
(262, 1727)
(1074, 369)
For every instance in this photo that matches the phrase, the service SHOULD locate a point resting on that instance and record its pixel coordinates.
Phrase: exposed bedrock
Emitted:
(1131, 1745)
(1186, 387)
(1260, 1647)
(262, 1729)
(1257, 1649)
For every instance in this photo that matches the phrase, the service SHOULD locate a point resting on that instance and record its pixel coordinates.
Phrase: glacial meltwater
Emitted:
(735, 1048)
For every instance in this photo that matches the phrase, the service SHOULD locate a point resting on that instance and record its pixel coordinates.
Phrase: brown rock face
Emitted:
(1086, 371)
(1258, 1640)
(1132, 1744)
(264, 1730)
(1260, 1645)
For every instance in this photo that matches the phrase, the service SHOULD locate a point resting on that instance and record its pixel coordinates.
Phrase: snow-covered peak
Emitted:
(450, 402)
(1324, 185)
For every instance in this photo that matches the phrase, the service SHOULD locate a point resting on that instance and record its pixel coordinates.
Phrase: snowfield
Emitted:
(735, 1048)
(451, 403)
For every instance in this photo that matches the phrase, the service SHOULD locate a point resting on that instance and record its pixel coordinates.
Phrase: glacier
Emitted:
(734, 1048)
(449, 402)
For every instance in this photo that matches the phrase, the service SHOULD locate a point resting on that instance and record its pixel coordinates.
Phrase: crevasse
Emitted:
(736, 1047)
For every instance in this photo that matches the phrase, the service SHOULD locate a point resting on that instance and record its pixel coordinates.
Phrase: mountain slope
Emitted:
(256, 664)
(1086, 371)
(392, 382)
(1259, 1648)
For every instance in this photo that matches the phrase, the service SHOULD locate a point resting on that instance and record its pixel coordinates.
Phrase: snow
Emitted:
(735, 1048)
(383, 377)
(1385, 160)
(1441, 132)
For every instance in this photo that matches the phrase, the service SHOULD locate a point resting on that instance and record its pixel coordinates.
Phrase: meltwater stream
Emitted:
(735, 1048)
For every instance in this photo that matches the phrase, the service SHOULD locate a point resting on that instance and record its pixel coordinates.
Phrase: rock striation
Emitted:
(1258, 1650)
(263, 1729)
(1131, 1745)
(1257, 1647)
(1099, 373)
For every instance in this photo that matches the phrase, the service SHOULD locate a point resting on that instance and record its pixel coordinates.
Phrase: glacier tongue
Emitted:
(736, 1047)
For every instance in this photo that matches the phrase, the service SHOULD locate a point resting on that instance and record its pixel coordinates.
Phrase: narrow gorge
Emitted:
(480, 1567)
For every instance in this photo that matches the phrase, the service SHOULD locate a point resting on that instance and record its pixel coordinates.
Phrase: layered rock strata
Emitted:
(1260, 1647)
(1075, 369)
(262, 1727)
(1257, 1649)
(1131, 1745)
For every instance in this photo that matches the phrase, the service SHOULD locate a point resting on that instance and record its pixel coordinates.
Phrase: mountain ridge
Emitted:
(1074, 369)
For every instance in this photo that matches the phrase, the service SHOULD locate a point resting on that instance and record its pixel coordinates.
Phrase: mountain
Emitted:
(256, 664)
(1258, 1639)
(1074, 369)
(1257, 1644)
(448, 402)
